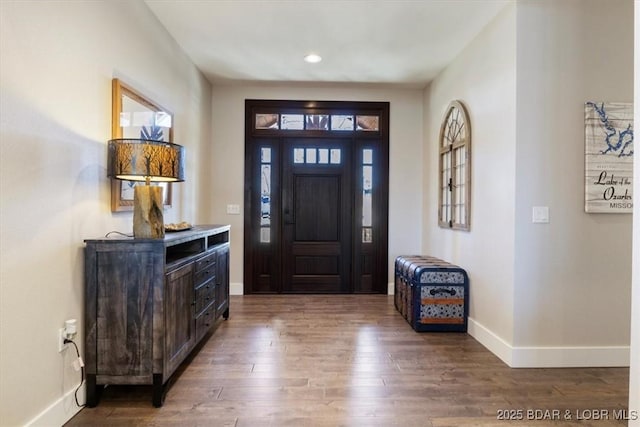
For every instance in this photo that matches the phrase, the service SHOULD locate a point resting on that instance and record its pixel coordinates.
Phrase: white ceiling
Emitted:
(366, 41)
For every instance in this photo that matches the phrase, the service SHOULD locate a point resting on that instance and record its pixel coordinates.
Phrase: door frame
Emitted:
(369, 261)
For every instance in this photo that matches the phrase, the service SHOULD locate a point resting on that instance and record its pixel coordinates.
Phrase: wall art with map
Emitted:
(608, 133)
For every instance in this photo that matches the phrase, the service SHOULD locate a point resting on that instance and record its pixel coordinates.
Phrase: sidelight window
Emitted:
(367, 196)
(265, 195)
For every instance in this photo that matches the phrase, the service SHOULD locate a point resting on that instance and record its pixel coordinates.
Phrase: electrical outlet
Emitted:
(61, 337)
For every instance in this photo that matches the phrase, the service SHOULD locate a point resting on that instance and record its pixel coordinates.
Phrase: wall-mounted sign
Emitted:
(608, 157)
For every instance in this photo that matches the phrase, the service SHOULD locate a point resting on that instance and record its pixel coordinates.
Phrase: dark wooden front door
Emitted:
(316, 212)
(316, 197)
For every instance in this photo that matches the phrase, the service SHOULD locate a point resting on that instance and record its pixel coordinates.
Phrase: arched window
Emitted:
(454, 192)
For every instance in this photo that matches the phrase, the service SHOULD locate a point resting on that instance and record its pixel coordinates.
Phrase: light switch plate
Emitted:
(540, 214)
(233, 209)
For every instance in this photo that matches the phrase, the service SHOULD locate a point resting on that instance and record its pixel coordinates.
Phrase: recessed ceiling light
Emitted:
(313, 58)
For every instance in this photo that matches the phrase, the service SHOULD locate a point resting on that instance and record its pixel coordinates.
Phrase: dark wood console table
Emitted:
(149, 302)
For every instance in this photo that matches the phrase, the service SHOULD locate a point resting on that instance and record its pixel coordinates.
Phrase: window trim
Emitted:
(449, 218)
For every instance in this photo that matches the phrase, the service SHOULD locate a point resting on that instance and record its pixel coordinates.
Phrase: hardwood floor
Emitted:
(352, 360)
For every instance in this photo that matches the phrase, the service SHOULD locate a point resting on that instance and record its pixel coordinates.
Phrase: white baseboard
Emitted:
(549, 357)
(571, 357)
(491, 341)
(236, 288)
(390, 288)
(59, 412)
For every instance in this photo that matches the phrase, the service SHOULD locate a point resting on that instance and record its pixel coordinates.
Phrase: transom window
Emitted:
(321, 122)
(454, 193)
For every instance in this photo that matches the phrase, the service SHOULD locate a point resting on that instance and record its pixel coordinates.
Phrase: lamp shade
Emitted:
(145, 160)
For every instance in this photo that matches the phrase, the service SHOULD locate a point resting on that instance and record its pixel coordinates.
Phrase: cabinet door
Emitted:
(179, 317)
(222, 282)
(121, 328)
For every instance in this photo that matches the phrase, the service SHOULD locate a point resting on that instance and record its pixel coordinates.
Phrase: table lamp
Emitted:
(148, 161)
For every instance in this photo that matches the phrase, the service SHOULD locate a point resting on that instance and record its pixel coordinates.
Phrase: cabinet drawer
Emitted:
(204, 275)
(205, 295)
(206, 262)
(205, 321)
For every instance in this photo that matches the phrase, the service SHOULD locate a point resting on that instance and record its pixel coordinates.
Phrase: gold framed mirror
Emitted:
(135, 116)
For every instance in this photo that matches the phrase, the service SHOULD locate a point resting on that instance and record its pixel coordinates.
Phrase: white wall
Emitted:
(634, 372)
(573, 275)
(552, 294)
(58, 60)
(483, 78)
(405, 146)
